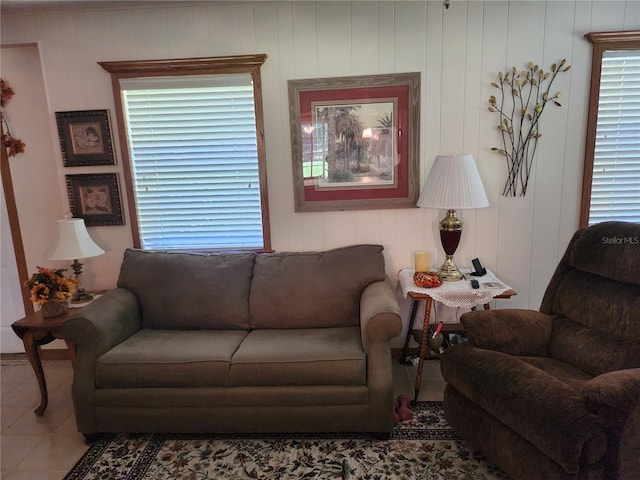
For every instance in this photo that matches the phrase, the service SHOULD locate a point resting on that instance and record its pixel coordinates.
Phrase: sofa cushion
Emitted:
(169, 358)
(190, 291)
(313, 289)
(321, 356)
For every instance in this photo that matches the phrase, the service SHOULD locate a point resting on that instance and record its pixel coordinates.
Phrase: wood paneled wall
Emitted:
(459, 52)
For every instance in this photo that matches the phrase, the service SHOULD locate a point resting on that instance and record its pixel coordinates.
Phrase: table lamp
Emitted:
(73, 242)
(453, 183)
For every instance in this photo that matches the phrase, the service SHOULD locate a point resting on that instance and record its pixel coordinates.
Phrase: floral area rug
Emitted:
(422, 448)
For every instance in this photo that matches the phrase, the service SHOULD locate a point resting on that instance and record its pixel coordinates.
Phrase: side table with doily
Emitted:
(452, 294)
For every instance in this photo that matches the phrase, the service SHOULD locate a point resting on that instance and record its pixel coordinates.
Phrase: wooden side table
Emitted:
(36, 331)
(427, 295)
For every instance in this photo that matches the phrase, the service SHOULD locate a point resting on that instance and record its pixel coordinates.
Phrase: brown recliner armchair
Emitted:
(555, 394)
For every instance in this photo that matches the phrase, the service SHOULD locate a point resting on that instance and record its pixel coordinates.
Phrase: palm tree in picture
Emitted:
(382, 142)
(349, 133)
(344, 139)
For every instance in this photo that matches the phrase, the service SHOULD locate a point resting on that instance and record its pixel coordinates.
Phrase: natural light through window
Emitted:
(615, 191)
(611, 174)
(194, 161)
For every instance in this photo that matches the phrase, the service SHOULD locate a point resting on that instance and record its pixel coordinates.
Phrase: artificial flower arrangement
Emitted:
(49, 285)
(14, 145)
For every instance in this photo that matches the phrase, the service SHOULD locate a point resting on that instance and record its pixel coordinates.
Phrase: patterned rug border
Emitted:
(405, 431)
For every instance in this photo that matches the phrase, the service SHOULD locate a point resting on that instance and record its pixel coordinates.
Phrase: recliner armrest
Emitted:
(619, 389)
(512, 331)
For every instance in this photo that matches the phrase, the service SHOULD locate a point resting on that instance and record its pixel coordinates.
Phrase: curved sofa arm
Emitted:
(379, 323)
(512, 331)
(379, 314)
(104, 323)
(619, 389)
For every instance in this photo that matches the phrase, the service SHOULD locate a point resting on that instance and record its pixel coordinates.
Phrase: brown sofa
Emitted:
(555, 394)
(238, 342)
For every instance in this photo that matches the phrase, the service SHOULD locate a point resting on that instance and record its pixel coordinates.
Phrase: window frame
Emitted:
(602, 41)
(239, 64)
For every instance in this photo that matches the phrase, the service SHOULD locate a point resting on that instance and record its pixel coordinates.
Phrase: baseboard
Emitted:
(55, 354)
(45, 354)
(396, 352)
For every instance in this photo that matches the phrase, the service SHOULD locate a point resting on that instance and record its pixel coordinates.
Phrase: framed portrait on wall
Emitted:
(355, 142)
(85, 138)
(96, 198)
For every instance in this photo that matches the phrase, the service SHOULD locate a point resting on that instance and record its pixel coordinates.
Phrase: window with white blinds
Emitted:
(194, 161)
(615, 185)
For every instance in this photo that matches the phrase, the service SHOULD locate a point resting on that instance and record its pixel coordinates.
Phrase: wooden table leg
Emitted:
(423, 345)
(412, 319)
(33, 354)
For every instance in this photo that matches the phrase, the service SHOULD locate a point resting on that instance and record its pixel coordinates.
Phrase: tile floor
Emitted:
(47, 447)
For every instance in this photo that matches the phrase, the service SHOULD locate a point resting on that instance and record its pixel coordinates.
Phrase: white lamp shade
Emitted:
(453, 183)
(73, 241)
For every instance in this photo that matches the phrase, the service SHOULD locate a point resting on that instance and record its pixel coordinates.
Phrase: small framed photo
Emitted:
(96, 198)
(85, 138)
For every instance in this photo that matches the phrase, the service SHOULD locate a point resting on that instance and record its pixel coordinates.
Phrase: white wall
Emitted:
(459, 52)
(11, 306)
(34, 173)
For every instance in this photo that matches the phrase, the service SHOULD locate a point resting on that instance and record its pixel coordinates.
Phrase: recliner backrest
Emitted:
(594, 295)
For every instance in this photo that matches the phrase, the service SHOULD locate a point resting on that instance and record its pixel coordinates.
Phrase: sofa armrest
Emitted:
(512, 331)
(103, 323)
(379, 323)
(619, 389)
(98, 327)
(379, 314)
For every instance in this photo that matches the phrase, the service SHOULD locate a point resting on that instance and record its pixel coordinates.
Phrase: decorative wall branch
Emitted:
(523, 97)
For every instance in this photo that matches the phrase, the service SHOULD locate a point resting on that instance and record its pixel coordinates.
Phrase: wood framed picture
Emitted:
(85, 138)
(96, 198)
(355, 142)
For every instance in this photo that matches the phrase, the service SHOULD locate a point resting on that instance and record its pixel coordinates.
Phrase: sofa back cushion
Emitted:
(190, 291)
(313, 289)
(595, 292)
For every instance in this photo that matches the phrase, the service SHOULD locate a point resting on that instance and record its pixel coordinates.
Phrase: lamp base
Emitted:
(81, 296)
(450, 232)
(449, 271)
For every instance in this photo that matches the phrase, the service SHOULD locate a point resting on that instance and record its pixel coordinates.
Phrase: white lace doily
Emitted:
(456, 294)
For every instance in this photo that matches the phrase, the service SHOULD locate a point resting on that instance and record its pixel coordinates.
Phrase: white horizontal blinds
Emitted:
(194, 158)
(615, 191)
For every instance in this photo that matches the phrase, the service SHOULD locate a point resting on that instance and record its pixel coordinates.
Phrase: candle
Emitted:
(422, 262)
